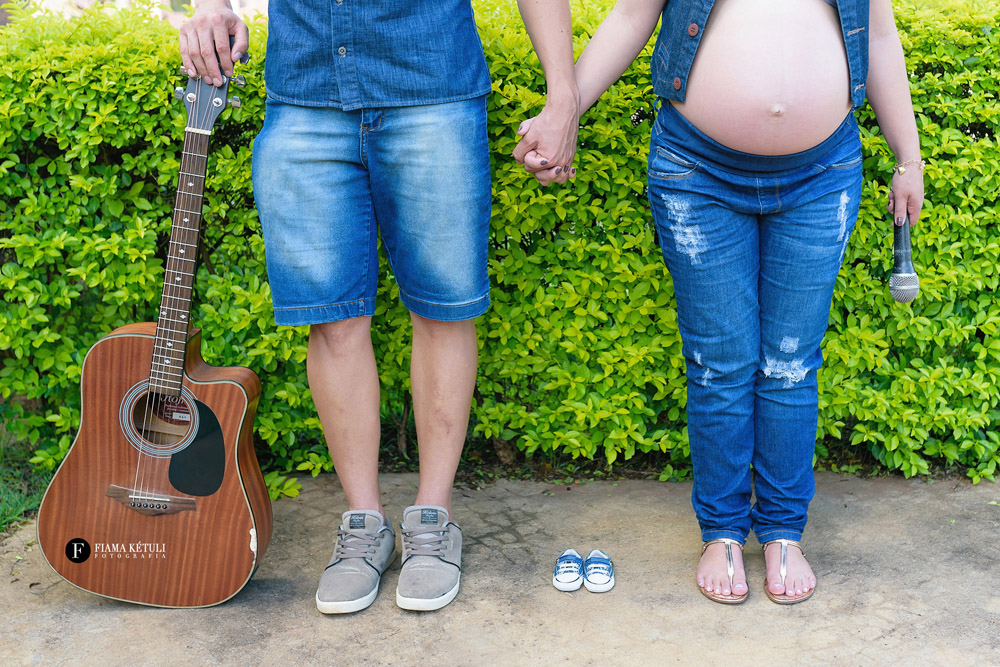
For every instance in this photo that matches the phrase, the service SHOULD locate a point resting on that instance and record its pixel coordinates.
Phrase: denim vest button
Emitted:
(693, 29)
(342, 51)
(677, 83)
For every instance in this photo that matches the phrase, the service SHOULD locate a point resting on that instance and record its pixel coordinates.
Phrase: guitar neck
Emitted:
(167, 368)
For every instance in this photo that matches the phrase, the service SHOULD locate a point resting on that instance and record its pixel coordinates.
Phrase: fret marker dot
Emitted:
(190, 184)
(170, 344)
(185, 219)
(167, 362)
(182, 251)
(184, 317)
(177, 279)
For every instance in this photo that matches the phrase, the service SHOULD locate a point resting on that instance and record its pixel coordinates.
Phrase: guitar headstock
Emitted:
(204, 102)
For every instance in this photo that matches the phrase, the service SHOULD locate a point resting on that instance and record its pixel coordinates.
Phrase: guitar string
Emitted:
(156, 402)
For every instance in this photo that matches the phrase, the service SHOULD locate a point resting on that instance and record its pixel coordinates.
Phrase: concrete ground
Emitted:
(907, 573)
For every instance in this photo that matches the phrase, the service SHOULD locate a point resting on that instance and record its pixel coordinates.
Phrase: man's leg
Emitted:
(345, 387)
(316, 211)
(431, 189)
(442, 376)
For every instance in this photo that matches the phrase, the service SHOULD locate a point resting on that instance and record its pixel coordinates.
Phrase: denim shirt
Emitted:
(355, 54)
(684, 21)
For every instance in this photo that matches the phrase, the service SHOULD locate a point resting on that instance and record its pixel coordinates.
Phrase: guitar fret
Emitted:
(169, 358)
(165, 379)
(180, 298)
(163, 317)
(186, 211)
(183, 259)
(190, 245)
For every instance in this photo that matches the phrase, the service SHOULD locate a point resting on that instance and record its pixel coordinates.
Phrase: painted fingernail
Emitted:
(899, 221)
(237, 55)
(558, 170)
(545, 162)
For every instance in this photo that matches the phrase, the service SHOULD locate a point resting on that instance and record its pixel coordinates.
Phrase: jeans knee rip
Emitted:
(792, 372)
(688, 238)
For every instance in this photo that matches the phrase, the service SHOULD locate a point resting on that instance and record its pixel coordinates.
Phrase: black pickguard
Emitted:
(198, 469)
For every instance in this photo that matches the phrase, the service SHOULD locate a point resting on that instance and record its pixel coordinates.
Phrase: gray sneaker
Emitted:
(432, 559)
(364, 550)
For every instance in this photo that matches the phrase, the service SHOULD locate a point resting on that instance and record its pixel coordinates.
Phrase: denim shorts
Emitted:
(326, 181)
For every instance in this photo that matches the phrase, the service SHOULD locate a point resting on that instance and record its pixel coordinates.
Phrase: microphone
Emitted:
(904, 285)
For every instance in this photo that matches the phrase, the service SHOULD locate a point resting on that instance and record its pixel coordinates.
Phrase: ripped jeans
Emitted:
(753, 244)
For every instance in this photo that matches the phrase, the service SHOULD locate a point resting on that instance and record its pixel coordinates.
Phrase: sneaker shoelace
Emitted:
(355, 544)
(599, 566)
(429, 541)
(568, 564)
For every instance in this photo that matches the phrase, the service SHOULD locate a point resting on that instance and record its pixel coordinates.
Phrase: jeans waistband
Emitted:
(678, 130)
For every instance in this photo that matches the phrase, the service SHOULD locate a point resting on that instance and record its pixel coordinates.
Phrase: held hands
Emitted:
(548, 143)
(906, 195)
(207, 33)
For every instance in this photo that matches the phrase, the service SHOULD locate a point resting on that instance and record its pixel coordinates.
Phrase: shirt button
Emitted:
(340, 2)
(677, 83)
(342, 51)
(692, 29)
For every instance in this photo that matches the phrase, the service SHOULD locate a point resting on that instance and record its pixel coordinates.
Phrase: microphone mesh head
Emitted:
(904, 287)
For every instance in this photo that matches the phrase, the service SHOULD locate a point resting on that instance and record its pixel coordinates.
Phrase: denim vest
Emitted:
(356, 54)
(680, 34)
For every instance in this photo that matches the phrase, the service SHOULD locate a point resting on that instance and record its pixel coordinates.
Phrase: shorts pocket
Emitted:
(668, 165)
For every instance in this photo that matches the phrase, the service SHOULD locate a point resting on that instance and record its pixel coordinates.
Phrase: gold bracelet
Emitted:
(900, 167)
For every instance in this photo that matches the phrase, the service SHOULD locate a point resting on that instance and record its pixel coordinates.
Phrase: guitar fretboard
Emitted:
(167, 368)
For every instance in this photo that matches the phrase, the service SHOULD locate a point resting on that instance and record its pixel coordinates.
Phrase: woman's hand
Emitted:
(906, 195)
(545, 170)
(548, 144)
(206, 34)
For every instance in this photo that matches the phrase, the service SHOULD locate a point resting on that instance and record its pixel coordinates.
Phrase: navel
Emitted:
(777, 110)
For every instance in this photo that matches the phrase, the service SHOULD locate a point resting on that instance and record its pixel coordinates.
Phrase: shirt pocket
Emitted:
(666, 164)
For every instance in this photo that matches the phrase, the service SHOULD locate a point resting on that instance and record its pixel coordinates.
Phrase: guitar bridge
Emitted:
(145, 502)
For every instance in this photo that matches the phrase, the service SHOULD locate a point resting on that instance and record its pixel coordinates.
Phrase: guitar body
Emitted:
(158, 503)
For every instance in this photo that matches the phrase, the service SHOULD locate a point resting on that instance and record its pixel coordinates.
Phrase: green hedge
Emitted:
(580, 351)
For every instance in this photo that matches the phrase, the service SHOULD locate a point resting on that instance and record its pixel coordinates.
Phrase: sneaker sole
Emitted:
(427, 604)
(347, 606)
(567, 586)
(599, 588)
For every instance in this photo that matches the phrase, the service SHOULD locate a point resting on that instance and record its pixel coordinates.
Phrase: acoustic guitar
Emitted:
(160, 500)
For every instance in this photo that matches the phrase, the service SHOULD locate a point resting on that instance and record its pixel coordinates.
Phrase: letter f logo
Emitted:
(77, 550)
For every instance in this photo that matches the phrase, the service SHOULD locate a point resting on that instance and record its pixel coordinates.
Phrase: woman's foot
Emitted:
(798, 582)
(713, 575)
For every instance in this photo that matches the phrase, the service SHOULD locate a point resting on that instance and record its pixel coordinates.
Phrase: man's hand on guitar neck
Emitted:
(206, 34)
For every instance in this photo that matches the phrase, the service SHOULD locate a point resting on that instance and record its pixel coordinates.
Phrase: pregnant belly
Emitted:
(769, 78)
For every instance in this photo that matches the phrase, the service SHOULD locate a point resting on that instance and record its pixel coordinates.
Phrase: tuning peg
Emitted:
(179, 93)
(234, 102)
(182, 70)
(239, 80)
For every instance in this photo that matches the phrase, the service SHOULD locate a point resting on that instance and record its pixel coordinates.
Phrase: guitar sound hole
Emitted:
(162, 421)
(156, 424)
